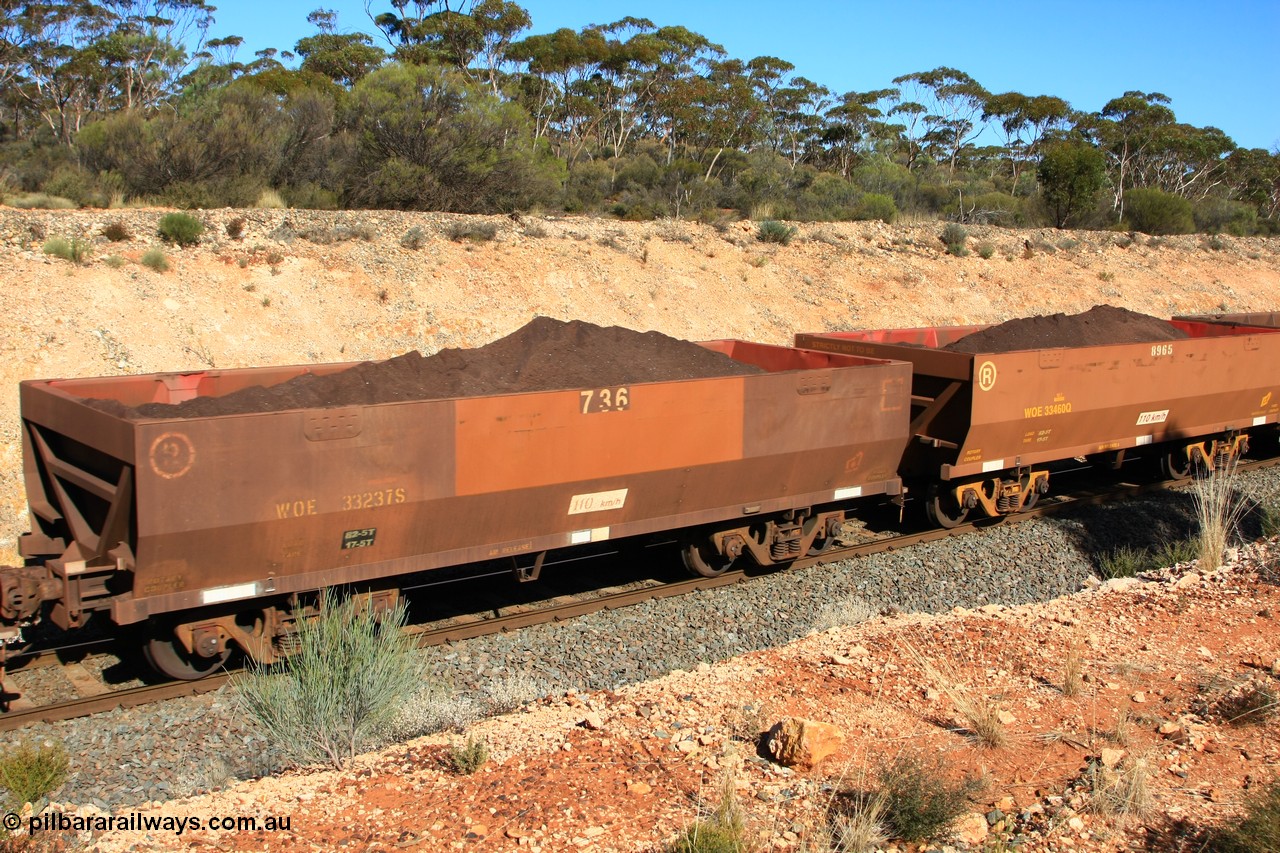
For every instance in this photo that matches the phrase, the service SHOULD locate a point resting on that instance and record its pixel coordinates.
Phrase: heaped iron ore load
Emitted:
(544, 355)
(1099, 326)
(217, 494)
(996, 407)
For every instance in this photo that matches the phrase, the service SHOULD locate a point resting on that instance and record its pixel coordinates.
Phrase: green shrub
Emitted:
(41, 201)
(773, 231)
(1269, 520)
(986, 249)
(475, 231)
(1175, 551)
(33, 770)
(1153, 211)
(326, 236)
(1215, 215)
(1257, 832)
(312, 196)
(1127, 561)
(415, 238)
(636, 211)
(117, 232)
(876, 206)
(155, 259)
(180, 229)
(920, 803)
(352, 670)
(74, 250)
(469, 758)
(114, 261)
(270, 199)
(1124, 562)
(723, 831)
(955, 236)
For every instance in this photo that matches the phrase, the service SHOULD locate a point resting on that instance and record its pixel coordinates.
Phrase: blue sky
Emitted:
(1218, 62)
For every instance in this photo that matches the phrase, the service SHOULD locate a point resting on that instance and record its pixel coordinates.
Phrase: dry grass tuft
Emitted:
(978, 711)
(846, 611)
(1220, 506)
(722, 831)
(1073, 670)
(860, 826)
(1123, 790)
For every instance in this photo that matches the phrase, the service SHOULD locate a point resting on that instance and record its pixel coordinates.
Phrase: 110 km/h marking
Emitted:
(597, 501)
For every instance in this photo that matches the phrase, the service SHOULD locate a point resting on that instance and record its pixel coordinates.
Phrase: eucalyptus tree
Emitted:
(342, 57)
(556, 87)
(726, 111)
(146, 50)
(951, 103)
(855, 127)
(1184, 160)
(625, 78)
(1024, 121)
(69, 61)
(59, 76)
(679, 79)
(798, 119)
(1253, 176)
(1125, 130)
(457, 33)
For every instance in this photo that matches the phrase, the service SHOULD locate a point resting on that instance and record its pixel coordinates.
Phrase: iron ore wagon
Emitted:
(206, 529)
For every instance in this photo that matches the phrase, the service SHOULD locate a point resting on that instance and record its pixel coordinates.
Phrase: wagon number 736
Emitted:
(605, 399)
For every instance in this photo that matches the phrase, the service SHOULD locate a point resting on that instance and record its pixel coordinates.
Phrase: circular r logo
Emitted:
(987, 376)
(172, 455)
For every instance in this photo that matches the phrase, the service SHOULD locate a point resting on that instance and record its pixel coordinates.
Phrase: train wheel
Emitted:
(702, 559)
(165, 652)
(943, 510)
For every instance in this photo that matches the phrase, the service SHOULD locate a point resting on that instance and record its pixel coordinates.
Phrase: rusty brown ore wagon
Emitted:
(988, 427)
(207, 527)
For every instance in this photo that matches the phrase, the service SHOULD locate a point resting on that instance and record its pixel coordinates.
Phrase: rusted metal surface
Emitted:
(168, 515)
(1235, 324)
(979, 413)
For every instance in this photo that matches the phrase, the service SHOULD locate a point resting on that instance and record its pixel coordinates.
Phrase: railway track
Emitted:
(504, 618)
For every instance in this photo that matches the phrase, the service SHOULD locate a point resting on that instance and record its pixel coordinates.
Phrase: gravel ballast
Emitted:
(127, 757)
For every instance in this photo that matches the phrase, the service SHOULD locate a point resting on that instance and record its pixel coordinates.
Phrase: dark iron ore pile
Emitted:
(544, 355)
(1101, 325)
